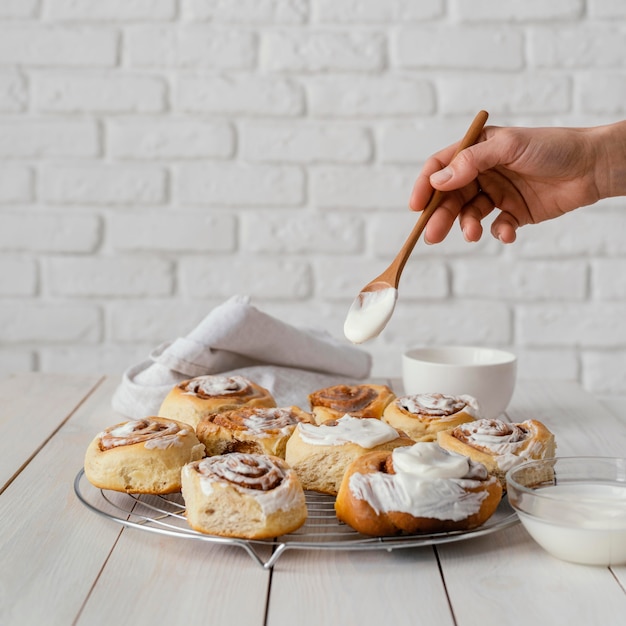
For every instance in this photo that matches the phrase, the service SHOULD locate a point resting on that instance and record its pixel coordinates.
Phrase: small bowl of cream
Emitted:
(573, 507)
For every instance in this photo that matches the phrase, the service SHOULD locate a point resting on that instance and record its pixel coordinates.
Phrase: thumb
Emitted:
(468, 164)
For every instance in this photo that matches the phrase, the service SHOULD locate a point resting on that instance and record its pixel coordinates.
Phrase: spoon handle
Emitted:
(393, 272)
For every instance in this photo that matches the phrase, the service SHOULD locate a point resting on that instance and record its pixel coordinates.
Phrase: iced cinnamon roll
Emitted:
(193, 399)
(499, 445)
(251, 430)
(422, 416)
(356, 400)
(416, 489)
(321, 453)
(250, 496)
(142, 456)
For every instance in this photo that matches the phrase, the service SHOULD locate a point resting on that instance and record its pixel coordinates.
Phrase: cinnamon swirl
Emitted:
(422, 488)
(142, 456)
(356, 400)
(251, 430)
(499, 445)
(250, 496)
(321, 453)
(421, 416)
(193, 399)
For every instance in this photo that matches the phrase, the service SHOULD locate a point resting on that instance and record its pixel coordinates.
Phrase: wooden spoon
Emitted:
(373, 307)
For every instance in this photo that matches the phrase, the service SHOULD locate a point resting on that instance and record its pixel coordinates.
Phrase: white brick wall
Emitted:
(159, 156)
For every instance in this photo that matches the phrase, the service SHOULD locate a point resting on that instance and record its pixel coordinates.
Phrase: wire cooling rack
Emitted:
(321, 531)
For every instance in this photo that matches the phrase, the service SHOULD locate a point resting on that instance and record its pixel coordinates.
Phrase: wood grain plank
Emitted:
(402, 587)
(152, 579)
(52, 547)
(487, 577)
(32, 407)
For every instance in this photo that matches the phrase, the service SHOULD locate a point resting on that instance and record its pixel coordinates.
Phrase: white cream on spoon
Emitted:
(369, 314)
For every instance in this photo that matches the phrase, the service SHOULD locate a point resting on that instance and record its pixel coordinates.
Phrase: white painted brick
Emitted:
(606, 8)
(361, 187)
(263, 277)
(355, 11)
(153, 321)
(172, 232)
(295, 232)
(589, 46)
(40, 137)
(237, 95)
(428, 46)
(369, 96)
(547, 364)
(190, 46)
(18, 276)
(15, 361)
(578, 233)
(229, 184)
(602, 92)
(505, 93)
(307, 142)
(608, 279)
(604, 372)
(320, 51)
(45, 232)
(529, 10)
(91, 360)
(387, 232)
(414, 141)
(520, 280)
(169, 138)
(101, 184)
(16, 183)
(49, 46)
(44, 322)
(111, 10)
(593, 325)
(460, 322)
(343, 279)
(18, 9)
(246, 11)
(107, 276)
(95, 92)
(13, 92)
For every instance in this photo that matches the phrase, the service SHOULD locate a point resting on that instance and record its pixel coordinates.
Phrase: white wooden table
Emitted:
(62, 564)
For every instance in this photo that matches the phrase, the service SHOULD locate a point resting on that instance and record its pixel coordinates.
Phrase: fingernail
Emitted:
(441, 176)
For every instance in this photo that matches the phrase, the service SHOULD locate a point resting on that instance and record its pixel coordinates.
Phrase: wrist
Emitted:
(610, 169)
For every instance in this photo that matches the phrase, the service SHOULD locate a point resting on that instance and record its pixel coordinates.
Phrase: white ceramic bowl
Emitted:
(484, 373)
(573, 507)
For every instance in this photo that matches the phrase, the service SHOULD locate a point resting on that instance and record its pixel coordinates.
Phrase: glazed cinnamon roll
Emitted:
(421, 416)
(321, 453)
(356, 400)
(422, 488)
(499, 445)
(193, 399)
(250, 496)
(251, 430)
(142, 456)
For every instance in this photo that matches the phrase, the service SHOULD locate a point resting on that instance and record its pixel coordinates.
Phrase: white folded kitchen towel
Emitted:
(237, 338)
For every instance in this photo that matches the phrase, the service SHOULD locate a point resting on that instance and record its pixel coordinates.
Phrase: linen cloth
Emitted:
(237, 338)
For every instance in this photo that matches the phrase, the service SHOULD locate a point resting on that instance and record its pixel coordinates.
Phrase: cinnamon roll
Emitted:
(193, 399)
(499, 445)
(250, 496)
(421, 416)
(321, 453)
(422, 488)
(251, 430)
(142, 456)
(356, 400)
